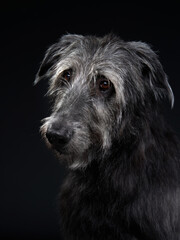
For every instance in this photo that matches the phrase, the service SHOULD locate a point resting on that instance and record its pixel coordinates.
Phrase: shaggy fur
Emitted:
(123, 159)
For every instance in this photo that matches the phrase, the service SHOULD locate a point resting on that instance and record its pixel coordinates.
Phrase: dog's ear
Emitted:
(154, 77)
(48, 62)
(54, 54)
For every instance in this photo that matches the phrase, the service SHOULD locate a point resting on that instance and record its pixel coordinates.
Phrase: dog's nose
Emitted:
(58, 137)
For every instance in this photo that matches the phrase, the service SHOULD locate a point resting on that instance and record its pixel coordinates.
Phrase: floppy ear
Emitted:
(155, 79)
(54, 54)
(51, 57)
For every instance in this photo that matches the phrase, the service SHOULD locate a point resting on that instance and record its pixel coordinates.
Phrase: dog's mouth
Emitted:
(60, 150)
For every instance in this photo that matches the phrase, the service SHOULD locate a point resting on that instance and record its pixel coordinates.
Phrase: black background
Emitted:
(30, 176)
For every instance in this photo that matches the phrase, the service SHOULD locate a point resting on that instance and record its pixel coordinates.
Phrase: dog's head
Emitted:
(96, 84)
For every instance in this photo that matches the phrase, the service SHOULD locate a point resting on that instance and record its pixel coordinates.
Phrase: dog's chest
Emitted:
(87, 207)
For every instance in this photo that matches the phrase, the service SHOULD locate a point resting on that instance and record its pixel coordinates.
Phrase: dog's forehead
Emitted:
(91, 53)
(91, 46)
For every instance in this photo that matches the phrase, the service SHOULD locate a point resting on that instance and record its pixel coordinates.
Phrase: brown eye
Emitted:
(104, 83)
(67, 74)
(104, 87)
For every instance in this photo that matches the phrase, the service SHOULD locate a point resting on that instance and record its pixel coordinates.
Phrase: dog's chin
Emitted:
(60, 150)
(63, 155)
(72, 160)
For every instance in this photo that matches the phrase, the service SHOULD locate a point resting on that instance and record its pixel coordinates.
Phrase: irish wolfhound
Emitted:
(106, 124)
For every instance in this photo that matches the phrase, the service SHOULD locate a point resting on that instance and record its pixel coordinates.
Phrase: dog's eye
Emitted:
(104, 86)
(67, 74)
(104, 83)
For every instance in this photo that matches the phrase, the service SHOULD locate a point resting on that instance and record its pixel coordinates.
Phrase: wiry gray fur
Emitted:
(122, 157)
(122, 63)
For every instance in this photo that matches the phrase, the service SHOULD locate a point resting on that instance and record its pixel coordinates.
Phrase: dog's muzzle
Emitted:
(59, 135)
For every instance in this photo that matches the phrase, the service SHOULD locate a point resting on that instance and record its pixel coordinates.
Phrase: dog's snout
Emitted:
(58, 136)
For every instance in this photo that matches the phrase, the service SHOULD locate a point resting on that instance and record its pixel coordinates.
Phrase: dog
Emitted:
(123, 160)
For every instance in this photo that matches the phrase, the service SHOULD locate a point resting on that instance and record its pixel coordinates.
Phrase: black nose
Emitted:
(58, 137)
